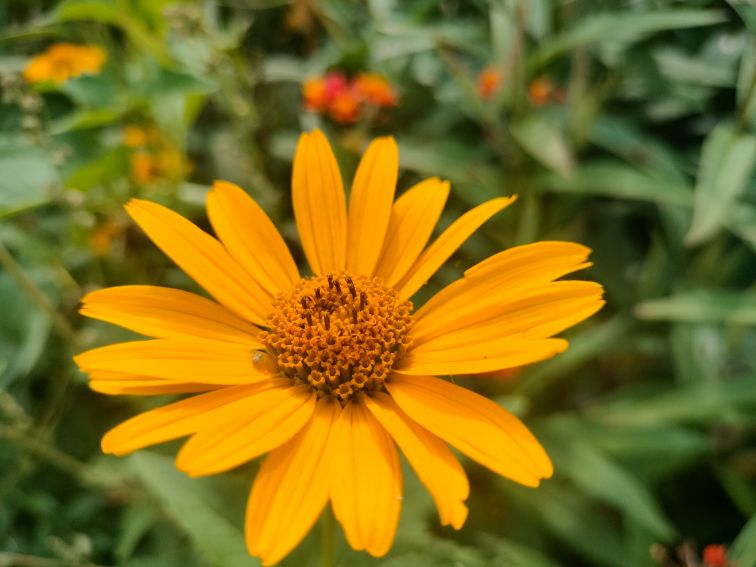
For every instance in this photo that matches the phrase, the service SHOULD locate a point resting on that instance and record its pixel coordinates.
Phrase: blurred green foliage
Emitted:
(647, 155)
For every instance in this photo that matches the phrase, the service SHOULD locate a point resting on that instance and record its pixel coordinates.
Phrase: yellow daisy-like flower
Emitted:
(63, 61)
(329, 373)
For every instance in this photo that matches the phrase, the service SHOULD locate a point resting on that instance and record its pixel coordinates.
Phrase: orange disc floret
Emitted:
(63, 61)
(489, 82)
(375, 89)
(340, 334)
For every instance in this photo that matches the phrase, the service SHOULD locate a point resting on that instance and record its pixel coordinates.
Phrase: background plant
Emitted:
(628, 126)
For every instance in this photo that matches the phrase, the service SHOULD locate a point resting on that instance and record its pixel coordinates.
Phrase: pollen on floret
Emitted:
(340, 334)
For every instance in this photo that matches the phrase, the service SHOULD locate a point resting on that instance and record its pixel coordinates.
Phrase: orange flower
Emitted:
(63, 61)
(489, 82)
(101, 238)
(150, 166)
(715, 555)
(540, 91)
(375, 89)
(332, 373)
(140, 136)
(345, 107)
(320, 92)
(314, 93)
(144, 168)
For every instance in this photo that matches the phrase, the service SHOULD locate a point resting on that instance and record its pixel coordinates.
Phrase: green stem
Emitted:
(62, 326)
(328, 533)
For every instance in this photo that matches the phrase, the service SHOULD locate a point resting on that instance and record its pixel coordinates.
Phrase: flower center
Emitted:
(340, 334)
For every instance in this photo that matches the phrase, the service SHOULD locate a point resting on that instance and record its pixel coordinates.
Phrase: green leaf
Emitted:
(544, 142)
(186, 500)
(746, 85)
(679, 67)
(699, 402)
(614, 179)
(108, 12)
(30, 177)
(112, 164)
(727, 158)
(83, 119)
(620, 26)
(625, 139)
(600, 477)
(513, 554)
(741, 219)
(701, 306)
(573, 519)
(743, 550)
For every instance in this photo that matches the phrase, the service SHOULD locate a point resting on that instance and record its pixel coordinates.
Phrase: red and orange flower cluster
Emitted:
(343, 100)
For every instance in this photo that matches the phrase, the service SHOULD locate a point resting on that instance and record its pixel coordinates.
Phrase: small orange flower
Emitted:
(140, 136)
(101, 239)
(375, 89)
(345, 107)
(489, 82)
(63, 61)
(314, 93)
(540, 91)
(144, 168)
(150, 166)
(715, 555)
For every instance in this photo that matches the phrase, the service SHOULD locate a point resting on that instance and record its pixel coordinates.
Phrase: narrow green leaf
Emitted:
(600, 477)
(698, 402)
(211, 532)
(621, 26)
(614, 179)
(743, 550)
(727, 158)
(108, 12)
(29, 177)
(701, 306)
(544, 142)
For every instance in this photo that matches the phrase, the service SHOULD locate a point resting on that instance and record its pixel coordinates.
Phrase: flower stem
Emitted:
(328, 533)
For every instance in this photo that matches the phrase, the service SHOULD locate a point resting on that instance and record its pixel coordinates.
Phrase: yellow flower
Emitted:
(63, 61)
(329, 373)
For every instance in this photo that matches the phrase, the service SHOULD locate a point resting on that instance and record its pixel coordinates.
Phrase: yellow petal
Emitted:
(508, 274)
(256, 425)
(319, 204)
(479, 428)
(177, 419)
(435, 465)
(206, 362)
(413, 218)
(291, 489)
(370, 205)
(535, 317)
(447, 243)
(366, 480)
(166, 313)
(203, 258)
(147, 387)
(507, 309)
(484, 356)
(251, 238)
